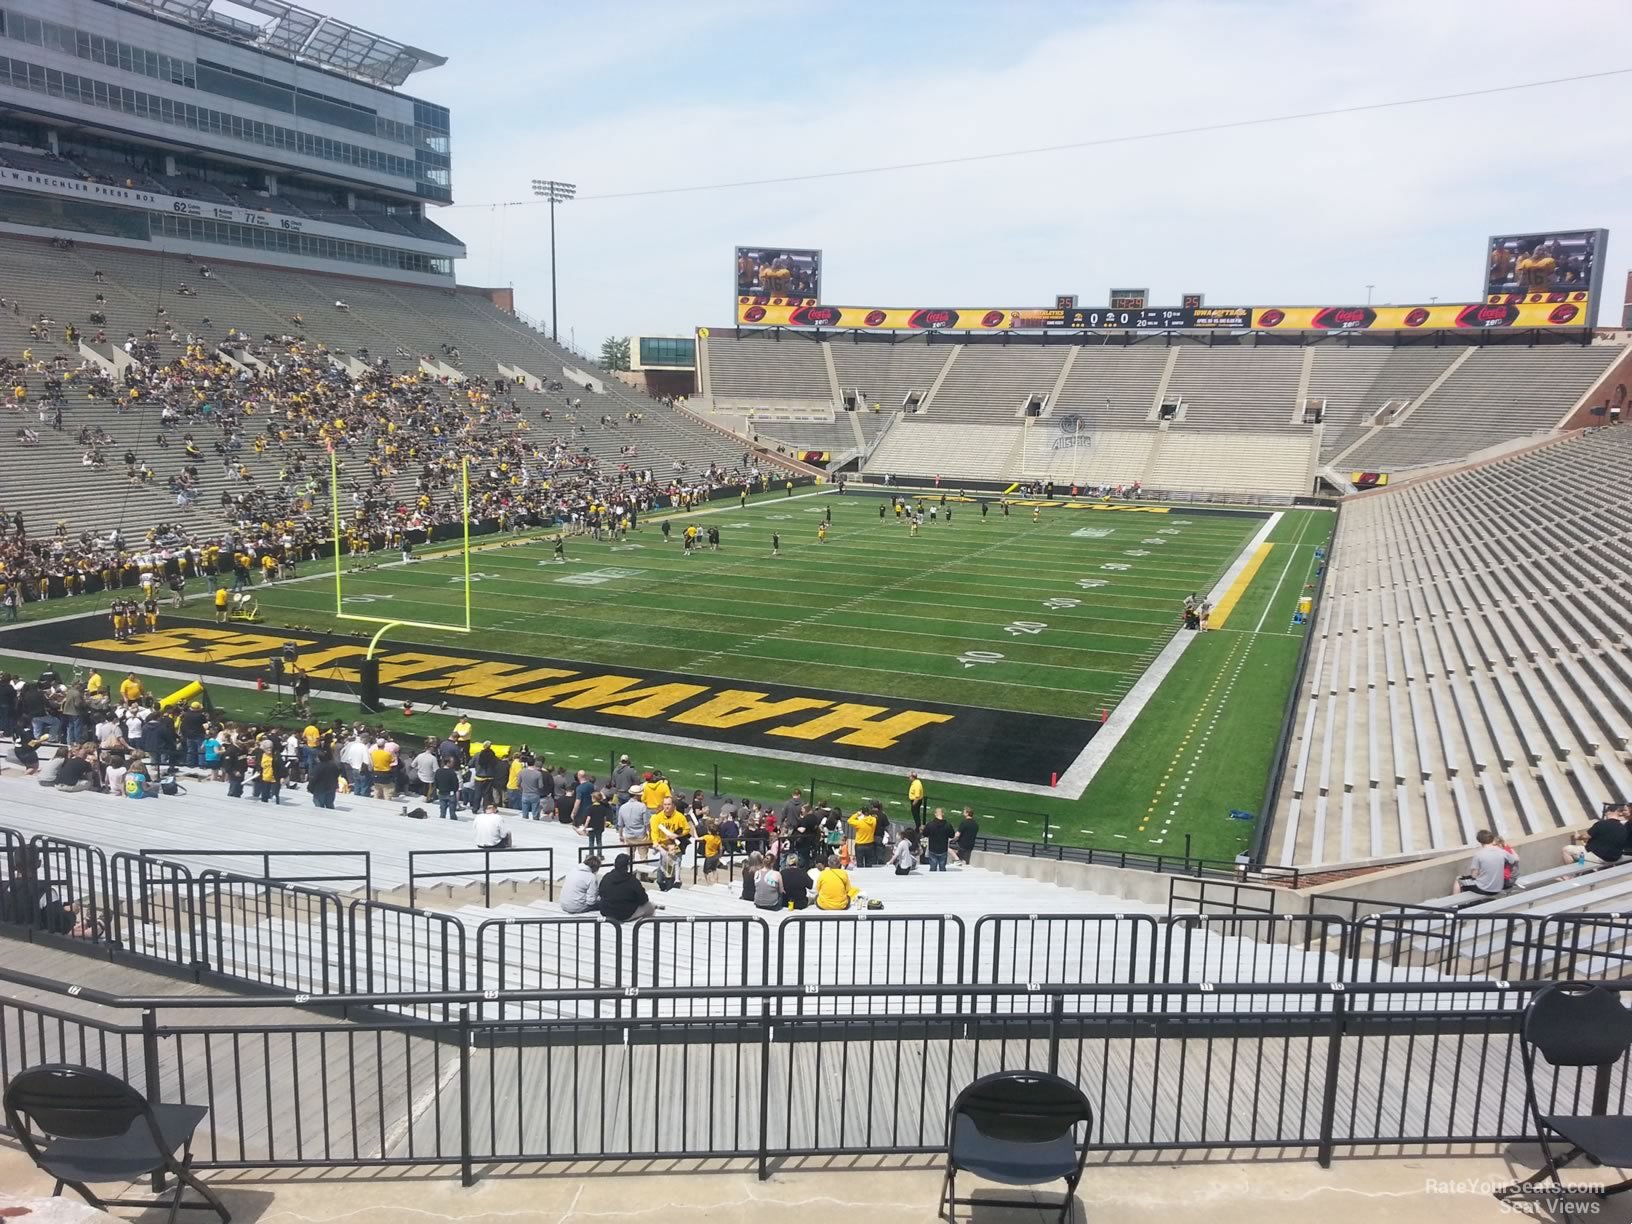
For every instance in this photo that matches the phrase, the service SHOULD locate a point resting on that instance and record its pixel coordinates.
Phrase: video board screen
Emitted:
(1519, 267)
(779, 272)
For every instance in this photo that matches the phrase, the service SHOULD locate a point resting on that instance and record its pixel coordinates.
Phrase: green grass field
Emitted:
(1062, 617)
(874, 610)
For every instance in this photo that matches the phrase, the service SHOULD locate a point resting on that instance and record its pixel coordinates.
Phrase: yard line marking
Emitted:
(1290, 555)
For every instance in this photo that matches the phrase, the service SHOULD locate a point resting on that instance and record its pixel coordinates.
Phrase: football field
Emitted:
(1059, 616)
(1009, 636)
(986, 651)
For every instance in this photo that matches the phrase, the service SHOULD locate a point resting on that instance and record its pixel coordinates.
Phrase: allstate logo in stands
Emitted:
(1073, 432)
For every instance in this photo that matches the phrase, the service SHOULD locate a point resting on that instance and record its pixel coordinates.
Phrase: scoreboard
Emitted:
(1169, 318)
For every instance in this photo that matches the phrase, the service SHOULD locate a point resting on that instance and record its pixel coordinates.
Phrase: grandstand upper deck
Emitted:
(1378, 403)
(175, 126)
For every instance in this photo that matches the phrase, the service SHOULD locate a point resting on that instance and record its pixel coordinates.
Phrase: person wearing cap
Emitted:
(580, 891)
(655, 790)
(191, 725)
(624, 776)
(633, 818)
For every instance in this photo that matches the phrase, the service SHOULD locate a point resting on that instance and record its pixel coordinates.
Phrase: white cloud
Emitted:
(1300, 211)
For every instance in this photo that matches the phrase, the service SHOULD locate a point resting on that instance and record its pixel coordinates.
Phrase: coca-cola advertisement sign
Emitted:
(1344, 318)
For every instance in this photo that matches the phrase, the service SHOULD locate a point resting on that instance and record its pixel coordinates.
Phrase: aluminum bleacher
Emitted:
(1495, 396)
(246, 921)
(1247, 388)
(764, 366)
(1442, 402)
(141, 291)
(1469, 668)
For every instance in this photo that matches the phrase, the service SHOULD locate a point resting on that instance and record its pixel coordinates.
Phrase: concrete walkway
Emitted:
(1406, 1189)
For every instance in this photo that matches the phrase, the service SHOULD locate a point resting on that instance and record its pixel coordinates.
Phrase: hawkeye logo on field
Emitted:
(497, 683)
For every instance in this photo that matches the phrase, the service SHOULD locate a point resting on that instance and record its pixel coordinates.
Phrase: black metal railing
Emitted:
(311, 942)
(1316, 1069)
(1185, 863)
(363, 878)
(502, 863)
(1161, 864)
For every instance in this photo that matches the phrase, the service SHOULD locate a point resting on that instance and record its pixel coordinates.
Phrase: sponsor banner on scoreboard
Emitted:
(1569, 311)
(1541, 310)
(769, 312)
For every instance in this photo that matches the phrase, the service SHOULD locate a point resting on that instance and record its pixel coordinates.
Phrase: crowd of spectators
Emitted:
(84, 733)
(253, 436)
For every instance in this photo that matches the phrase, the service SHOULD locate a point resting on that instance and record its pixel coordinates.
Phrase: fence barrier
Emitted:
(1299, 1068)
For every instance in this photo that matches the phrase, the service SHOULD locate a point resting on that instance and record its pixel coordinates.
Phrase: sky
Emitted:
(625, 96)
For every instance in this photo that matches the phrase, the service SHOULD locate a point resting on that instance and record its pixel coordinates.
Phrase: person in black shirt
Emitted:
(75, 774)
(1607, 838)
(599, 815)
(622, 896)
(968, 830)
(445, 786)
(192, 724)
(937, 837)
(324, 780)
(795, 883)
(232, 766)
(807, 835)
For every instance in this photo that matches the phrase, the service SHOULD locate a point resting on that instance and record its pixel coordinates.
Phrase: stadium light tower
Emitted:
(556, 193)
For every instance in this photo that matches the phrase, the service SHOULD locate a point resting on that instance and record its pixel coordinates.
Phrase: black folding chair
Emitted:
(1018, 1128)
(1577, 1024)
(97, 1128)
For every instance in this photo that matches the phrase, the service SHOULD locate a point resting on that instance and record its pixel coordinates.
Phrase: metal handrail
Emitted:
(1461, 986)
(415, 875)
(366, 878)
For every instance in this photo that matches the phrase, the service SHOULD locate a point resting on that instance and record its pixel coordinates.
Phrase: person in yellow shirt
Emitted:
(915, 797)
(670, 830)
(461, 734)
(713, 845)
(654, 791)
(833, 888)
(130, 689)
(95, 686)
(865, 825)
(220, 605)
(512, 781)
(384, 767)
(1536, 269)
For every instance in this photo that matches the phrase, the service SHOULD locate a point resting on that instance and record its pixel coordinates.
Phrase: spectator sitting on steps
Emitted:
(1490, 870)
(623, 899)
(1607, 838)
